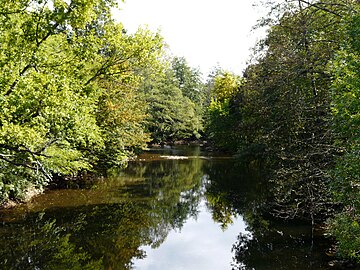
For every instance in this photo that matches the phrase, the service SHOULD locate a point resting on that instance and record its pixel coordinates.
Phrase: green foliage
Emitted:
(292, 100)
(121, 116)
(47, 115)
(220, 125)
(346, 182)
(172, 114)
(68, 96)
(347, 233)
(223, 110)
(189, 81)
(122, 108)
(301, 114)
(346, 112)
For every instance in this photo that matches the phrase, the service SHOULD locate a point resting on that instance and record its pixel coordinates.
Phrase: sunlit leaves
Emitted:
(226, 85)
(223, 112)
(68, 90)
(346, 112)
(347, 232)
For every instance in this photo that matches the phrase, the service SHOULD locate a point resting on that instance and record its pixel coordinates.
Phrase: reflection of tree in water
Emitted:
(158, 196)
(42, 244)
(107, 236)
(175, 189)
(233, 189)
(280, 248)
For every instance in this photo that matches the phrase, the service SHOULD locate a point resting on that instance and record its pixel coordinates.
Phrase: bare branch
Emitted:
(38, 165)
(321, 6)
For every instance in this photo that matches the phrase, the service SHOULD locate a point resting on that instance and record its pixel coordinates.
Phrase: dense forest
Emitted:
(297, 109)
(80, 94)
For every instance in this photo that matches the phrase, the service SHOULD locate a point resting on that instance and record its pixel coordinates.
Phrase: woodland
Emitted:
(79, 94)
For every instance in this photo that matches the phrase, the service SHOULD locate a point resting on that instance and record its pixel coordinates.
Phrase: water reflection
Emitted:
(159, 213)
(238, 190)
(200, 244)
(105, 225)
(282, 248)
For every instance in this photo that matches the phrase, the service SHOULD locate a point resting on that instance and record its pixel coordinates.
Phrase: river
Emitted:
(171, 208)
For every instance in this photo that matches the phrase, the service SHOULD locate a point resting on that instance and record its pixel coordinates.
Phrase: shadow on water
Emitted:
(107, 224)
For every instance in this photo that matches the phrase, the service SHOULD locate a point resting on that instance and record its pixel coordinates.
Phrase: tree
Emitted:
(293, 99)
(66, 71)
(172, 115)
(47, 115)
(191, 86)
(121, 112)
(223, 111)
(346, 112)
(189, 81)
(307, 114)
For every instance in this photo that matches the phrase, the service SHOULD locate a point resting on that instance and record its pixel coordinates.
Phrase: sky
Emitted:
(207, 33)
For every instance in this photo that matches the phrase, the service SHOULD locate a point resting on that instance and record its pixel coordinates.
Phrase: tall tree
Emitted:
(297, 99)
(64, 68)
(172, 116)
(47, 115)
(190, 83)
(293, 99)
(188, 80)
(223, 111)
(121, 112)
(346, 110)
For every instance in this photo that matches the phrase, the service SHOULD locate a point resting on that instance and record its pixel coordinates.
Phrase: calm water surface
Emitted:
(173, 208)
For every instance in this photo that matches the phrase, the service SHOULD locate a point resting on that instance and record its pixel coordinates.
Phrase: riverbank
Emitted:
(155, 201)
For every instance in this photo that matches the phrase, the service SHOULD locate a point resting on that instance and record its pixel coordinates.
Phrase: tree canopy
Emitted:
(79, 93)
(68, 90)
(298, 110)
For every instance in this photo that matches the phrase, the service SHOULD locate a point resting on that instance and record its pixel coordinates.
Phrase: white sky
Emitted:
(206, 32)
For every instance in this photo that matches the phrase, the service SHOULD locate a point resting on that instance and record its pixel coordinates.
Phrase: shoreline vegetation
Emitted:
(79, 94)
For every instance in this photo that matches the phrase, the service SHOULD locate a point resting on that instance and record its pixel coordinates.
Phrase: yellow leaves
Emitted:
(221, 108)
(226, 85)
(121, 114)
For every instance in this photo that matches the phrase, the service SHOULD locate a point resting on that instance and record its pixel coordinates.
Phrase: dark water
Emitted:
(191, 211)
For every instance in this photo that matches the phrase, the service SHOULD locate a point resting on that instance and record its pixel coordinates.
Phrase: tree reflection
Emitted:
(107, 235)
(234, 189)
(279, 248)
(42, 245)
(176, 187)
(140, 206)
